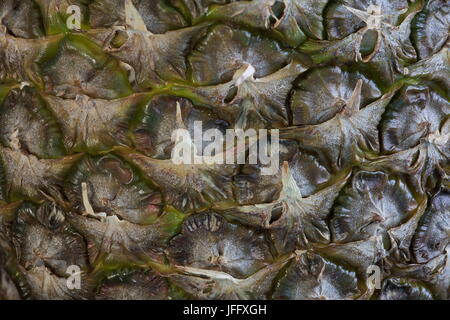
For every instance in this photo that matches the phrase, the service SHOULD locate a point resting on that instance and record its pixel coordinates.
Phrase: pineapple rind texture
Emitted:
(93, 207)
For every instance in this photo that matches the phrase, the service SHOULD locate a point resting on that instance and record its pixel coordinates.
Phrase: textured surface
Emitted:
(359, 91)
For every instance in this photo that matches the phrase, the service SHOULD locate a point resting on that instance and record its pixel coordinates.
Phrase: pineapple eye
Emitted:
(138, 285)
(47, 259)
(276, 213)
(224, 50)
(432, 235)
(311, 276)
(120, 38)
(412, 115)
(340, 22)
(223, 246)
(403, 289)
(369, 43)
(315, 101)
(24, 114)
(157, 16)
(374, 201)
(278, 9)
(30, 27)
(115, 188)
(431, 27)
(231, 95)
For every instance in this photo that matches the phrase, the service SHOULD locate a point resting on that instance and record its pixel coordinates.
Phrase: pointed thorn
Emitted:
(179, 117)
(84, 194)
(354, 102)
(372, 16)
(244, 73)
(285, 170)
(359, 13)
(133, 18)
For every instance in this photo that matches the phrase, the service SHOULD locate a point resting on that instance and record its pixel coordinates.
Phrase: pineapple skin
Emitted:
(93, 207)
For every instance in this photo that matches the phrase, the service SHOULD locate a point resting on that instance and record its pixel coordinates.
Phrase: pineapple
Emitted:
(92, 205)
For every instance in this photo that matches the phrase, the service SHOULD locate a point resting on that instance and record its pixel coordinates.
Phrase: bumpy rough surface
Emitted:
(92, 205)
